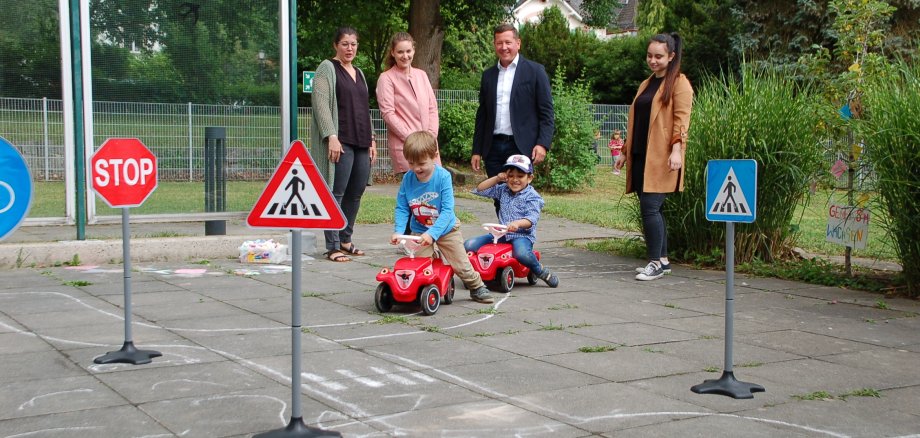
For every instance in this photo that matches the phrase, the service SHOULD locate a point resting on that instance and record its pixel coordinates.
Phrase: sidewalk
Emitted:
(521, 367)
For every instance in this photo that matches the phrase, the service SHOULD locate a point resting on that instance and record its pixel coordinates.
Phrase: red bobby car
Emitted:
(495, 263)
(424, 281)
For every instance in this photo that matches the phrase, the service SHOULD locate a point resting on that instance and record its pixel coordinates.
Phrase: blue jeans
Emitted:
(521, 249)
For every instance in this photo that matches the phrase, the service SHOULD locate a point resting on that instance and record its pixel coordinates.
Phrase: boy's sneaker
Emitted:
(665, 267)
(651, 272)
(481, 295)
(550, 278)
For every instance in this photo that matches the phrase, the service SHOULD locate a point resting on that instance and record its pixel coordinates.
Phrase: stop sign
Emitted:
(124, 172)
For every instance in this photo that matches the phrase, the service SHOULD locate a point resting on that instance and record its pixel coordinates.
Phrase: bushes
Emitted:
(762, 116)
(892, 134)
(570, 161)
(455, 134)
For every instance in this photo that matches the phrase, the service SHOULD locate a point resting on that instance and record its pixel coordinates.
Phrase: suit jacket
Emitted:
(406, 108)
(667, 125)
(532, 116)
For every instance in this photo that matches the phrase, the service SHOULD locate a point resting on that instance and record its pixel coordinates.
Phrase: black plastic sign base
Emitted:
(128, 354)
(296, 428)
(728, 385)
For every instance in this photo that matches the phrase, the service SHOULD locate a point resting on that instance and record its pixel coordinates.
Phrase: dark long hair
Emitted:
(674, 44)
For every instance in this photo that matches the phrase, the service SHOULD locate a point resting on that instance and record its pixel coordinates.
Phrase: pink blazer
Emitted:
(407, 104)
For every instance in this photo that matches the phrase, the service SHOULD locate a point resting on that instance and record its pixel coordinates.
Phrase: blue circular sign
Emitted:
(15, 189)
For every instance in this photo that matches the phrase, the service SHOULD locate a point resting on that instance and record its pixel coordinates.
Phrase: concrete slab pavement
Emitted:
(520, 367)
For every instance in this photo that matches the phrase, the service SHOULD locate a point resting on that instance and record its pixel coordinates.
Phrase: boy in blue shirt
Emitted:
(428, 193)
(519, 210)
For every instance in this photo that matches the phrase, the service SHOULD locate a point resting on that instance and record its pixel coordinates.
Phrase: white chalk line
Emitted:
(583, 420)
(31, 402)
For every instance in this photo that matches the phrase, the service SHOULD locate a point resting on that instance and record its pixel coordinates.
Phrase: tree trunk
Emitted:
(427, 28)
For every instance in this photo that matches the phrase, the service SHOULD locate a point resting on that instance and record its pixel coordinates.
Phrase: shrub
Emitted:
(762, 116)
(892, 133)
(455, 134)
(571, 159)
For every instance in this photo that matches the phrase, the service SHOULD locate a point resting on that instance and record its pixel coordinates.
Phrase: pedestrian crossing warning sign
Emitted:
(731, 190)
(296, 196)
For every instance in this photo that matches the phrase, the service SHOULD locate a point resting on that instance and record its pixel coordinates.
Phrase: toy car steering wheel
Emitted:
(410, 243)
(496, 230)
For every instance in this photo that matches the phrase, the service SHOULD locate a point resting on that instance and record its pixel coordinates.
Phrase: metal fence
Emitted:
(175, 133)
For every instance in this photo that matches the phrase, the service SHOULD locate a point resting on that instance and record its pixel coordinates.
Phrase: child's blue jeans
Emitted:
(521, 249)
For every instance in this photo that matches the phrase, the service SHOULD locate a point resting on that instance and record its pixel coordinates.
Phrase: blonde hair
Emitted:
(398, 37)
(420, 145)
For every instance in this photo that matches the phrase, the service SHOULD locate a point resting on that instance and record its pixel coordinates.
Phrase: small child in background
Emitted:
(615, 145)
(519, 210)
(428, 193)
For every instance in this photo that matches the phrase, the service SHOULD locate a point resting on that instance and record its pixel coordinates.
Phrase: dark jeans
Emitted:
(502, 148)
(654, 227)
(350, 180)
(521, 249)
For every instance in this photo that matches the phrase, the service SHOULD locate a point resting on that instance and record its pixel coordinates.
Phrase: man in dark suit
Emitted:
(515, 113)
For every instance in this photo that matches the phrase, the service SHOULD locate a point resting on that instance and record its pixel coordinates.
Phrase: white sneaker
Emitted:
(665, 267)
(652, 271)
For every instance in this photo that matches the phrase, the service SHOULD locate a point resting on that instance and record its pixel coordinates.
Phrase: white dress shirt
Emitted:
(503, 97)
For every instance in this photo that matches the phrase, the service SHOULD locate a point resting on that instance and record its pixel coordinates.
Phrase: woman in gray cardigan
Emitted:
(342, 122)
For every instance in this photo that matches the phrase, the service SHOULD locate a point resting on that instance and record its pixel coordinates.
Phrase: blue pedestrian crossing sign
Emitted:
(15, 189)
(731, 191)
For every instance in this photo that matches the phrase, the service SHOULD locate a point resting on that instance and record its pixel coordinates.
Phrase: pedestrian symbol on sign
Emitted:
(726, 202)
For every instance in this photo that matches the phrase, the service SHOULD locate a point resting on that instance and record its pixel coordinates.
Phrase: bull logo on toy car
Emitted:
(405, 277)
(486, 260)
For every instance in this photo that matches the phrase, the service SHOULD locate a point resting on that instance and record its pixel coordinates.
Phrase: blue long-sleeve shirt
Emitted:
(431, 204)
(525, 204)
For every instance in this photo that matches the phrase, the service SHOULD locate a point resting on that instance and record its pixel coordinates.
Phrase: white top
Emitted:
(503, 97)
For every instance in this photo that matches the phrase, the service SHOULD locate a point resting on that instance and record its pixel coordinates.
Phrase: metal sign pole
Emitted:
(128, 353)
(727, 384)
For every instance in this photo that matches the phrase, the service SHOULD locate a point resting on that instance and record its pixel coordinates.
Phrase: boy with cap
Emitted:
(519, 210)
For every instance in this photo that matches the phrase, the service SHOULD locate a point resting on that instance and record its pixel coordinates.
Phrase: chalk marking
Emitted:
(54, 430)
(363, 380)
(154, 386)
(329, 384)
(396, 378)
(31, 402)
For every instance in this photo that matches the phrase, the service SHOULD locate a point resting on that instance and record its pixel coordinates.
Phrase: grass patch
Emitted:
(598, 349)
(864, 392)
(652, 350)
(562, 306)
(823, 272)
(712, 369)
(78, 283)
(491, 310)
(393, 319)
(552, 326)
(750, 364)
(817, 395)
(430, 328)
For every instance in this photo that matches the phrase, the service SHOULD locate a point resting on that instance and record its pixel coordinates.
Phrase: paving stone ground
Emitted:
(513, 368)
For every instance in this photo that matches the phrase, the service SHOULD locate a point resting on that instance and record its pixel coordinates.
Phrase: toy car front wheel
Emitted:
(531, 278)
(383, 298)
(449, 295)
(430, 299)
(506, 279)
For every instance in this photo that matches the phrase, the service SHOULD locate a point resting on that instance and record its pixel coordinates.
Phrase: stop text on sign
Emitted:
(129, 171)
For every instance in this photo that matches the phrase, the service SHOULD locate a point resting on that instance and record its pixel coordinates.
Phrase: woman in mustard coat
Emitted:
(659, 119)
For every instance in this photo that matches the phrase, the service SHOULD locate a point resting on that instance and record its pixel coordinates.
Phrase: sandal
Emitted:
(337, 256)
(352, 250)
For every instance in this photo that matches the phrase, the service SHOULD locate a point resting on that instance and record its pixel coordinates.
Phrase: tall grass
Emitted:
(891, 131)
(761, 116)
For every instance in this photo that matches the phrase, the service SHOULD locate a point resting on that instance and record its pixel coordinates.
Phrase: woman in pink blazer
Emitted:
(406, 99)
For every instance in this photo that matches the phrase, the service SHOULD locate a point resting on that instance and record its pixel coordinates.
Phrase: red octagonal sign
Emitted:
(124, 172)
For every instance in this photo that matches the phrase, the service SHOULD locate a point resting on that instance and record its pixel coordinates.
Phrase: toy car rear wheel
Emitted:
(430, 299)
(531, 278)
(449, 295)
(506, 279)
(383, 298)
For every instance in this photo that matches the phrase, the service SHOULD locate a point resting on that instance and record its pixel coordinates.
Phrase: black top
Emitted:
(354, 110)
(643, 110)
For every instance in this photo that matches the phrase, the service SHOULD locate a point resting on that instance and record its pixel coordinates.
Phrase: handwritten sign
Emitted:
(848, 226)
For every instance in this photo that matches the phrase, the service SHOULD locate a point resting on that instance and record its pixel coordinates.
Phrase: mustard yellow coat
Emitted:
(667, 125)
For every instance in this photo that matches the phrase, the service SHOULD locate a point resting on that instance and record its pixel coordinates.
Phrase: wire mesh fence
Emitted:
(175, 134)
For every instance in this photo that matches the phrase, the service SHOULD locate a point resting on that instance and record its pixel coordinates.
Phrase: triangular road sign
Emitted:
(730, 200)
(296, 196)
